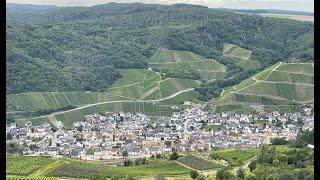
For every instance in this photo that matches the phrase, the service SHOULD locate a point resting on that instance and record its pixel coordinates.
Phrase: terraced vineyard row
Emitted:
(240, 57)
(277, 85)
(236, 51)
(174, 56)
(207, 68)
(82, 169)
(21, 166)
(136, 84)
(198, 163)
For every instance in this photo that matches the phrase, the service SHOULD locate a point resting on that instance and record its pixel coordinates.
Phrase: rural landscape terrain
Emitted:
(163, 91)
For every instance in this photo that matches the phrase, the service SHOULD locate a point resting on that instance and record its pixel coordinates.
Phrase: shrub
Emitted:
(194, 174)
(174, 156)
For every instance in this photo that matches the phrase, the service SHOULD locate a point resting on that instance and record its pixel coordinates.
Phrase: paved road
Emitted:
(109, 102)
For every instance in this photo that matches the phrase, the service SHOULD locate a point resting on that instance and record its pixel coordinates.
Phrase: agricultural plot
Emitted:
(233, 108)
(236, 51)
(25, 165)
(35, 101)
(174, 56)
(76, 170)
(247, 63)
(173, 85)
(198, 163)
(28, 178)
(298, 68)
(165, 167)
(280, 84)
(282, 91)
(240, 56)
(235, 157)
(136, 84)
(130, 76)
(280, 76)
(80, 169)
(150, 86)
(208, 68)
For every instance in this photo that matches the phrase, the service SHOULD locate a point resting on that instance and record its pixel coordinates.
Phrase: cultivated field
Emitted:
(236, 51)
(23, 167)
(184, 60)
(284, 84)
(235, 157)
(241, 56)
(162, 56)
(136, 84)
(198, 163)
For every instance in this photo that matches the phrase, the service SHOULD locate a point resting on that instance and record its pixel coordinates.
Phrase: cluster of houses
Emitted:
(109, 135)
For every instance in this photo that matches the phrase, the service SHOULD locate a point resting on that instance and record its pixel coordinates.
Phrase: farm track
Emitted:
(125, 85)
(175, 62)
(109, 102)
(146, 94)
(273, 70)
(256, 80)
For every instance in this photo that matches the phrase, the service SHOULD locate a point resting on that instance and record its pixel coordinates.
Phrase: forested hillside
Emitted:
(82, 48)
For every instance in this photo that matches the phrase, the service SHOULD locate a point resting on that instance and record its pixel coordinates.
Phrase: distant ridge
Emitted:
(276, 11)
(29, 6)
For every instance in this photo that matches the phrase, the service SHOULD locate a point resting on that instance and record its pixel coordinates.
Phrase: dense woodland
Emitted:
(81, 48)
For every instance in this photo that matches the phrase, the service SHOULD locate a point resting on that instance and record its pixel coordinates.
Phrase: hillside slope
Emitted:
(173, 60)
(283, 84)
(71, 48)
(241, 57)
(135, 84)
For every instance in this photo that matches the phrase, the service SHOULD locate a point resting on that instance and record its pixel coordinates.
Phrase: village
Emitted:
(106, 136)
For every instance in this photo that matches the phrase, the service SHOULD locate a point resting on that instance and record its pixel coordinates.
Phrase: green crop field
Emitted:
(198, 163)
(236, 51)
(235, 157)
(174, 56)
(76, 169)
(25, 165)
(164, 167)
(240, 56)
(280, 84)
(247, 63)
(184, 60)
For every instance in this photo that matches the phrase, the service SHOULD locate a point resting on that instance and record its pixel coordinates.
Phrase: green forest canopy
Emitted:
(82, 48)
